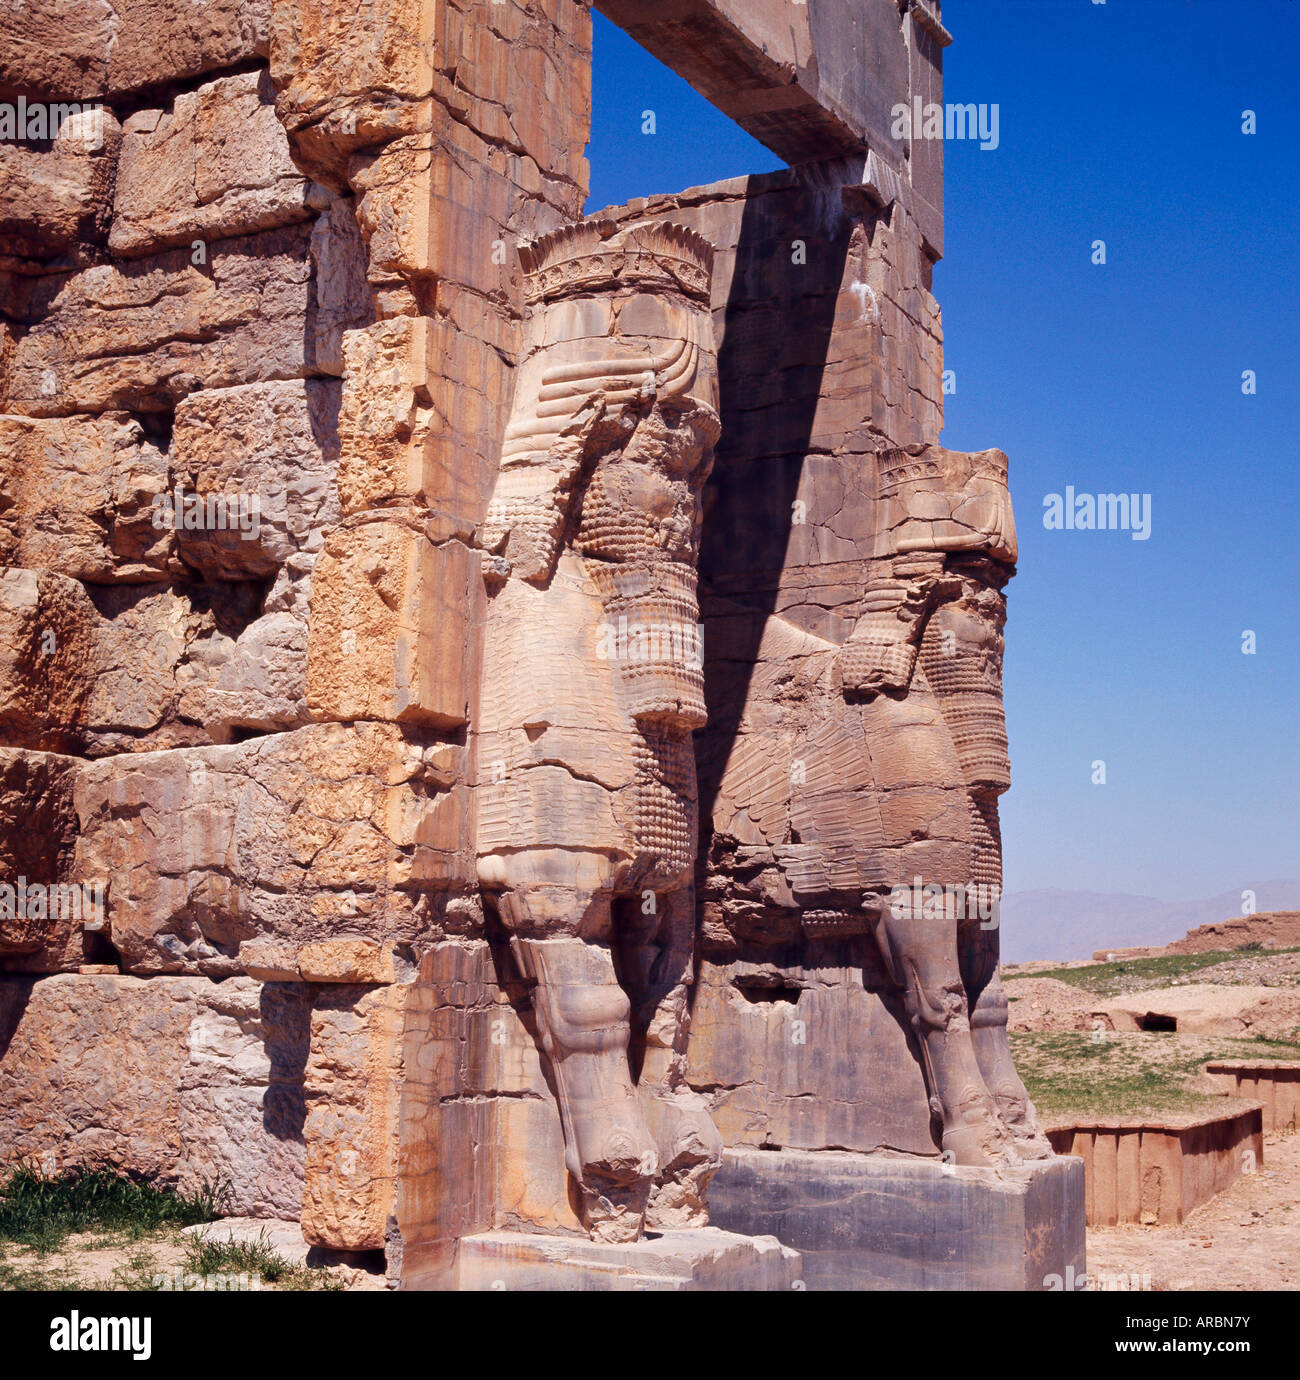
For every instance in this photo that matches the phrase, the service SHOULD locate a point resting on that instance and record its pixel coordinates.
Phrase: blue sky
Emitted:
(1120, 122)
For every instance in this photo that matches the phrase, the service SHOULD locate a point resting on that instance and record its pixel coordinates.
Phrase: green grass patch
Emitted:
(1104, 1073)
(42, 1211)
(259, 1258)
(1109, 979)
(16, 1277)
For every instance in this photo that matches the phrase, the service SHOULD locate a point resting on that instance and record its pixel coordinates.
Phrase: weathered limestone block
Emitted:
(143, 667)
(143, 334)
(353, 1088)
(242, 1104)
(214, 166)
(392, 596)
(667, 1262)
(778, 1049)
(47, 640)
(253, 677)
(139, 643)
(349, 76)
(268, 452)
(481, 1145)
(422, 406)
(888, 1222)
(522, 79)
(327, 832)
(353, 77)
(177, 1080)
(82, 48)
(77, 496)
(348, 960)
(59, 46)
(55, 198)
(342, 301)
(385, 415)
(38, 827)
(442, 206)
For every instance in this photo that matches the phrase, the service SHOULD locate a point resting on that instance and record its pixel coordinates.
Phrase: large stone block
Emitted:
(140, 642)
(177, 1080)
(481, 1145)
(77, 496)
(343, 300)
(424, 404)
(214, 166)
(252, 677)
(353, 1086)
(670, 1261)
(59, 196)
(871, 1222)
(47, 647)
(523, 80)
(132, 668)
(74, 49)
(393, 595)
(350, 76)
(141, 334)
(38, 827)
(353, 77)
(805, 1029)
(325, 833)
(269, 450)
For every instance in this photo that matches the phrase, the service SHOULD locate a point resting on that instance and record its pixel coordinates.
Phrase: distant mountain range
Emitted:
(1072, 924)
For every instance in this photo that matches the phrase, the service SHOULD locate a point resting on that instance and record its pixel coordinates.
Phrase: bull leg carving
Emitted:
(660, 962)
(584, 1023)
(923, 957)
(992, 1048)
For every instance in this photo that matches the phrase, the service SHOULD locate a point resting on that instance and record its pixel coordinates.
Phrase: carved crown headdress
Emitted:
(595, 255)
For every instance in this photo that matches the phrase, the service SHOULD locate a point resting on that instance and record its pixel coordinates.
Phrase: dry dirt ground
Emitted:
(111, 1261)
(1248, 1237)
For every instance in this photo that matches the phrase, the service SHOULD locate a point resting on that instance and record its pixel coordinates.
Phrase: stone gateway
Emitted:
(508, 681)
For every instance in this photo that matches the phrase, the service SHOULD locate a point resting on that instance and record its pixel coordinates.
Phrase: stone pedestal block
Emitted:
(869, 1222)
(669, 1261)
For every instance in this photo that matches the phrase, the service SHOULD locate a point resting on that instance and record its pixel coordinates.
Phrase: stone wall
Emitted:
(276, 269)
(1274, 1085)
(1155, 1171)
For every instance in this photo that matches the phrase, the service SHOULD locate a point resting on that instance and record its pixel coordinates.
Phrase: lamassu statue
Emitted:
(592, 686)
